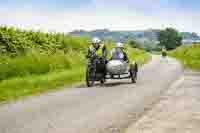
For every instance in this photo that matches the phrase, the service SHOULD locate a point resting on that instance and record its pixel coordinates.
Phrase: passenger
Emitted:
(118, 53)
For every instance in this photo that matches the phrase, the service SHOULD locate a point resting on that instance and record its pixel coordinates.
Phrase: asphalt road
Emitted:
(109, 109)
(178, 110)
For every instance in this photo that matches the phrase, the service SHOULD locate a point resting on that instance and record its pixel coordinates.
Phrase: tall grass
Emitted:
(32, 63)
(36, 73)
(189, 56)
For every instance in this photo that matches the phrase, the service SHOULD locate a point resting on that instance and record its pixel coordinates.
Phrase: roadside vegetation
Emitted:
(189, 56)
(33, 62)
(138, 55)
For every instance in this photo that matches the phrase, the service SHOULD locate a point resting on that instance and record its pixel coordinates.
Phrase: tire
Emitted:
(133, 77)
(102, 81)
(133, 73)
(89, 82)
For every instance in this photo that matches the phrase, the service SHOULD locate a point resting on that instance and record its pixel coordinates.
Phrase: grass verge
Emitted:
(188, 56)
(25, 86)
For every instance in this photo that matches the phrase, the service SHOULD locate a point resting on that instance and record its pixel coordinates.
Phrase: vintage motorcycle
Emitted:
(99, 70)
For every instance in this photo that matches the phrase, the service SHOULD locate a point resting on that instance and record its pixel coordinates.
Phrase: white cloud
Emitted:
(101, 14)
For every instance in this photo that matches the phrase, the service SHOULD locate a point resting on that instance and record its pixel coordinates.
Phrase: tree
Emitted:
(170, 38)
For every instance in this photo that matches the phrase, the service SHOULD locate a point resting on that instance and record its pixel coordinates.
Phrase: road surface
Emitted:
(178, 110)
(109, 109)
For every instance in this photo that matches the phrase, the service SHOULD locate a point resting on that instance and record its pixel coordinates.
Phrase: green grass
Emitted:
(33, 74)
(36, 83)
(33, 63)
(24, 86)
(189, 56)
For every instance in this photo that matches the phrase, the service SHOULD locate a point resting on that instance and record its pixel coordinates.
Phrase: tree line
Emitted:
(169, 38)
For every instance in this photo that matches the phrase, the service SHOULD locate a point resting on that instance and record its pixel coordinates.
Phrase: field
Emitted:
(36, 62)
(189, 56)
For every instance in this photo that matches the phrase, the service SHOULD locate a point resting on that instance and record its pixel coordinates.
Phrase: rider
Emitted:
(118, 53)
(98, 49)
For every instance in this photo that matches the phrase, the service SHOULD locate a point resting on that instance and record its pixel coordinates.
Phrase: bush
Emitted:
(15, 42)
(189, 56)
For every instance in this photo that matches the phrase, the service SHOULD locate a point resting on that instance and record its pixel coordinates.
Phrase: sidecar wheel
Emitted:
(133, 73)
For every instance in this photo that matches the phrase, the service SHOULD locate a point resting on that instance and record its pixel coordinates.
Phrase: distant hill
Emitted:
(104, 34)
(150, 35)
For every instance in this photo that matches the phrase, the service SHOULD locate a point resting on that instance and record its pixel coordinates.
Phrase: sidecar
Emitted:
(117, 69)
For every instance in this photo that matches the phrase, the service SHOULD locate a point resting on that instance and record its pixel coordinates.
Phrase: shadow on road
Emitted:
(107, 84)
(113, 84)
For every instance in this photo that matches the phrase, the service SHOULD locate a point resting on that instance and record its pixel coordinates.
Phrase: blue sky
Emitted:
(47, 4)
(68, 15)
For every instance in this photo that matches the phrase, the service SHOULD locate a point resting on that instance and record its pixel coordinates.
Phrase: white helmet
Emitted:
(96, 40)
(119, 45)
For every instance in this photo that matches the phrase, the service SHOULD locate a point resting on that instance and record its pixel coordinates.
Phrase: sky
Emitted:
(68, 15)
